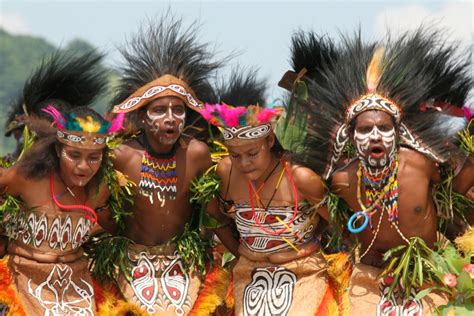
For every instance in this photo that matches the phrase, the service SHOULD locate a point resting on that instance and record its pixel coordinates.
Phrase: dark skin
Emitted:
(254, 160)
(152, 224)
(417, 213)
(76, 169)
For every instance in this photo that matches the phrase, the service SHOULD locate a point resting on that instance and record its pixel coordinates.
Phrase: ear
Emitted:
(271, 140)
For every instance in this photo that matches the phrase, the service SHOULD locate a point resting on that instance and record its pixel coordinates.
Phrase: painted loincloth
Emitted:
(48, 274)
(51, 289)
(160, 285)
(368, 295)
(299, 287)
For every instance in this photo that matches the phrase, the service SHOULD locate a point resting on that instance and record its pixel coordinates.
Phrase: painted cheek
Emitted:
(362, 142)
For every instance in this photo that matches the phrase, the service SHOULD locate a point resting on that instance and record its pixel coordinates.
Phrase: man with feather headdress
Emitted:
(167, 74)
(371, 100)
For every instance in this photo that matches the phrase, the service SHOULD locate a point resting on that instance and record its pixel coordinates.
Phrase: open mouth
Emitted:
(170, 133)
(376, 151)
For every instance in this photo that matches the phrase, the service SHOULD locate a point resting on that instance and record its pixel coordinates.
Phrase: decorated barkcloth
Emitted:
(299, 287)
(46, 265)
(369, 295)
(263, 288)
(255, 236)
(160, 285)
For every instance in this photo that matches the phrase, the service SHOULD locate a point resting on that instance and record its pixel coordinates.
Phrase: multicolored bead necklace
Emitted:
(158, 175)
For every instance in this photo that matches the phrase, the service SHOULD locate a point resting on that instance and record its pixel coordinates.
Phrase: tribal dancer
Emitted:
(166, 75)
(53, 191)
(274, 205)
(370, 96)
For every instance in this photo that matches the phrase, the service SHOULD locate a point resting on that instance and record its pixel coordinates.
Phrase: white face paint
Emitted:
(165, 118)
(376, 137)
(90, 161)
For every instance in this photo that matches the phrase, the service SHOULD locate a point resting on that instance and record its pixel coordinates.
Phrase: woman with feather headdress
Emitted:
(274, 205)
(53, 191)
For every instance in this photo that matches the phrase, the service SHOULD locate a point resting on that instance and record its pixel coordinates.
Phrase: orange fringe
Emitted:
(229, 297)
(211, 296)
(339, 272)
(213, 293)
(8, 292)
(328, 305)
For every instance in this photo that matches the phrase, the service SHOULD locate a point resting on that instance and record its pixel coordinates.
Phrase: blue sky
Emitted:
(260, 30)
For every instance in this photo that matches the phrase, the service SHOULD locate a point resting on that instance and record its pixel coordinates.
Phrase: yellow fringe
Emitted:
(465, 243)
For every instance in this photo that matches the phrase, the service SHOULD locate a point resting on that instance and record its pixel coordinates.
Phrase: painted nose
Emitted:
(375, 135)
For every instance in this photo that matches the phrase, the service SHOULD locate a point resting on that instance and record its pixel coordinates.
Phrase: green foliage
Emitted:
(417, 265)
(193, 249)
(291, 129)
(448, 202)
(338, 217)
(467, 140)
(109, 257)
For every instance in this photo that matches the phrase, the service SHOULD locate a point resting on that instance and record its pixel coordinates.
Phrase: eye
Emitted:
(95, 159)
(364, 129)
(385, 128)
(254, 154)
(234, 156)
(73, 155)
(178, 110)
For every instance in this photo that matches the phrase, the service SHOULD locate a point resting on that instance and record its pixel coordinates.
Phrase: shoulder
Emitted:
(307, 181)
(415, 160)
(342, 175)
(196, 148)
(126, 150)
(223, 167)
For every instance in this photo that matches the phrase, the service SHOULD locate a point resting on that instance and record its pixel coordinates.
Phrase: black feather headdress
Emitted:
(243, 88)
(165, 59)
(64, 80)
(396, 77)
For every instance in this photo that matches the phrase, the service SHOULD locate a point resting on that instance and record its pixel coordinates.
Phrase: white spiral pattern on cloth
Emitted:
(270, 292)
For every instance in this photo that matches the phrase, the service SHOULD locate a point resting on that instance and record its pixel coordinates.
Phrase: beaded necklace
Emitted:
(377, 199)
(158, 175)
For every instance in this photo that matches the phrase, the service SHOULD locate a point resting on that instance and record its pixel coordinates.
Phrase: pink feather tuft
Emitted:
(207, 111)
(231, 115)
(266, 115)
(468, 114)
(58, 118)
(117, 123)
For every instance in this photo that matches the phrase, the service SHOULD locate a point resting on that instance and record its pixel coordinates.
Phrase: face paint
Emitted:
(166, 122)
(376, 147)
(78, 166)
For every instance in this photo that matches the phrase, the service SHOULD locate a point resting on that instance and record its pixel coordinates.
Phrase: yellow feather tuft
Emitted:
(374, 71)
(88, 125)
(465, 242)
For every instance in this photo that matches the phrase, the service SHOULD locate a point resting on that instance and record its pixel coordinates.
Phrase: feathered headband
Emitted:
(244, 123)
(87, 133)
